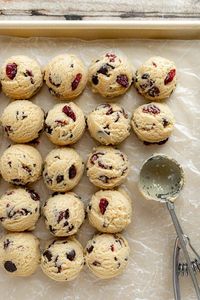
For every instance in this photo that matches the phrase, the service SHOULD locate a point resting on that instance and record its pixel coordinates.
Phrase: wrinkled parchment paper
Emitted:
(151, 235)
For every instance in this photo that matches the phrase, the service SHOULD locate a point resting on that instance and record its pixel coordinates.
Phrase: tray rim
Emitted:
(104, 24)
(98, 29)
(103, 29)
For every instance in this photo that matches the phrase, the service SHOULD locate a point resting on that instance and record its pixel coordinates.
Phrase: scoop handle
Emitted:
(176, 284)
(180, 234)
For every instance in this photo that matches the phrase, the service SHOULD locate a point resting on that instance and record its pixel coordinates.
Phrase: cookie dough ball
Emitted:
(107, 167)
(21, 77)
(110, 75)
(19, 253)
(109, 124)
(19, 209)
(62, 260)
(64, 214)
(65, 124)
(110, 211)
(65, 76)
(156, 78)
(63, 169)
(23, 121)
(106, 255)
(21, 164)
(153, 122)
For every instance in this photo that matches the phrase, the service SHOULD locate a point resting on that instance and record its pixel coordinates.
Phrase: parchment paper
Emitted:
(151, 234)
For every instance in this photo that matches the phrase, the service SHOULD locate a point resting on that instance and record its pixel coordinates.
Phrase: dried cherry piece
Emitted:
(103, 203)
(76, 81)
(152, 109)
(69, 112)
(122, 80)
(170, 76)
(11, 70)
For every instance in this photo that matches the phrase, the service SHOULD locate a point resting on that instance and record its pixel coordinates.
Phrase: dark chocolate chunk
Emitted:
(96, 263)
(6, 243)
(72, 172)
(71, 255)
(10, 266)
(59, 178)
(95, 79)
(48, 255)
(90, 249)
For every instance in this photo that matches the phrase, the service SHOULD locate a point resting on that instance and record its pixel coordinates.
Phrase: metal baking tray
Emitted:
(140, 29)
(36, 288)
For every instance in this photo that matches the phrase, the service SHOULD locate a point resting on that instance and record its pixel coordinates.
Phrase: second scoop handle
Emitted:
(180, 234)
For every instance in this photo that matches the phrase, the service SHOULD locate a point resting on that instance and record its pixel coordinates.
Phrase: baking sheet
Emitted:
(151, 234)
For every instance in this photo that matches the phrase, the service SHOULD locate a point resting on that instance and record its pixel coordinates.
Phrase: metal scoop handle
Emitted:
(183, 242)
(176, 285)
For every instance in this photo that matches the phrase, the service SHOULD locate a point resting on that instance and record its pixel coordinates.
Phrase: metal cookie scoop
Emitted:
(161, 179)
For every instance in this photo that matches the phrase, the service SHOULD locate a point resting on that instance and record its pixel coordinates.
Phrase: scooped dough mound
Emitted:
(62, 260)
(64, 214)
(19, 209)
(107, 167)
(65, 124)
(110, 75)
(153, 122)
(21, 164)
(65, 76)
(110, 210)
(107, 255)
(21, 77)
(23, 121)
(109, 124)
(63, 169)
(19, 253)
(156, 78)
